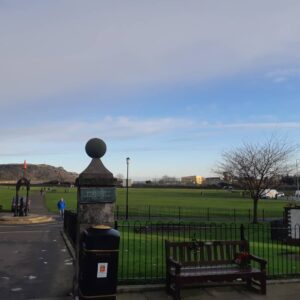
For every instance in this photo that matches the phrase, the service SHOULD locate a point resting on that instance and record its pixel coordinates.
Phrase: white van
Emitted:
(269, 194)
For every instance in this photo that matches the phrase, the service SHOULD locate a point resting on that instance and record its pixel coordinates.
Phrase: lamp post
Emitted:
(297, 175)
(127, 163)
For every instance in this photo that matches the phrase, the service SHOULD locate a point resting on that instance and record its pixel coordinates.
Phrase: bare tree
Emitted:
(257, 166)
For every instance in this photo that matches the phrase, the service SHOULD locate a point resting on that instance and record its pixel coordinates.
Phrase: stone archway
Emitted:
(21, 208)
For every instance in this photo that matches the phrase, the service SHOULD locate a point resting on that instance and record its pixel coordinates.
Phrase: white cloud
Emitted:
(61, 137)
(267, 125)
(48, 48)
(53, 136)
(283, 74)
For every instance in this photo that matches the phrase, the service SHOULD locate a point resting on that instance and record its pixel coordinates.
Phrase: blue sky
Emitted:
(171, 84)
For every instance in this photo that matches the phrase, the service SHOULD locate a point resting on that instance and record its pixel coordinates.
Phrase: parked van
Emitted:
(269, 194)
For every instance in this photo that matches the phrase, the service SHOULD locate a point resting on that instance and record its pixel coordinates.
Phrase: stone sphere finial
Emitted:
(95, 148)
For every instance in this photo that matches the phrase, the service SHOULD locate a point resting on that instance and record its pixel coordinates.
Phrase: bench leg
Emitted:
(249, 283)
(177, 290)
(263, 286)
(168, 284)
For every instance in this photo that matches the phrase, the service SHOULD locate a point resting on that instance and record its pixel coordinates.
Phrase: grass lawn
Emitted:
(6, 195)
(163, 202)
(8, 192)
(167, 201)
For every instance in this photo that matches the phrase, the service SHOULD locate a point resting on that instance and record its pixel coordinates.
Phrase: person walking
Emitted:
(61, 205)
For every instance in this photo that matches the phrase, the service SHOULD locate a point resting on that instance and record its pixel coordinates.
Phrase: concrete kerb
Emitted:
(68, 244)
(156, 287)
(30, 219)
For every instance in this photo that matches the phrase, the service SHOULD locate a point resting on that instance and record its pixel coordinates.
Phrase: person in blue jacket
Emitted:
(61, 205)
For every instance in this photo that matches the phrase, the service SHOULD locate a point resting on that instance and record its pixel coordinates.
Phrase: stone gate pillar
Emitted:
(96, 193)
(96, 197)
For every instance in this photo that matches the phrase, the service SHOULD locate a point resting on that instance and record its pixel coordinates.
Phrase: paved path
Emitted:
(280, 291)
(38, 205)
(34, 261)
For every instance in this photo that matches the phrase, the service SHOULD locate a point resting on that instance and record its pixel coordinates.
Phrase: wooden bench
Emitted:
(196, 262)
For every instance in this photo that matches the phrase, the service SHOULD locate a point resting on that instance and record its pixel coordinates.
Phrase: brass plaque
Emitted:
(98, 195)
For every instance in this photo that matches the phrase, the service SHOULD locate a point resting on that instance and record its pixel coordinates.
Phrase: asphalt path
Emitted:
(34, 262)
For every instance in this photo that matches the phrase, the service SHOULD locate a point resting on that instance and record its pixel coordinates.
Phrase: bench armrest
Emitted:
(260, 260)
(173, 263)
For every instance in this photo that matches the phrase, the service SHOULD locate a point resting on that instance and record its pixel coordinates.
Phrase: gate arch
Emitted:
(21, 208)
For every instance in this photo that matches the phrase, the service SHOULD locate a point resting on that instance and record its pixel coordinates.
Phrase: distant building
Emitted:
(227, 177)
(196, 179)
(212, 180)
(166, 180)
(124, 183)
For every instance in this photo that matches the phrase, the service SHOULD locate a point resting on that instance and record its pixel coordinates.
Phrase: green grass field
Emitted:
(6, 195)
(8, 192)
(164, 201)
(167, 201)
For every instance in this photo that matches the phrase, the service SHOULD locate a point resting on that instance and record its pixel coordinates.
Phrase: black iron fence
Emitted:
(142, 257)
(178, 213)
(70, 225)
(142, 253)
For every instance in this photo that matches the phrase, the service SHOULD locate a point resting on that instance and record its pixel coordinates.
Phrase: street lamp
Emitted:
(297, 175)
(127, 163)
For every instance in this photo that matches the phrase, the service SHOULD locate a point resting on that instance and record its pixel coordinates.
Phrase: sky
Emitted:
(170, 84)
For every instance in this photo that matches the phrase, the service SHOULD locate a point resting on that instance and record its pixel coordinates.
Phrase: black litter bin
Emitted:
(98, 263)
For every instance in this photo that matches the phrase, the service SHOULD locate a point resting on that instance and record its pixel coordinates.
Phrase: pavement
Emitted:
(34, 260)
(35, 264)
(276, 290)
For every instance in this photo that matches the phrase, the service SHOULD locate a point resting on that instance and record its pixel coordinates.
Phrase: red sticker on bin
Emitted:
(102, 270)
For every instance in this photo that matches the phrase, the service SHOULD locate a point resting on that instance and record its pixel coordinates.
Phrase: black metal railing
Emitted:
(142, 254)
(178, 213)
(70, 225)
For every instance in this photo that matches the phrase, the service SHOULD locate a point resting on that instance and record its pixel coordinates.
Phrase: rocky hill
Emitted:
(10, 173)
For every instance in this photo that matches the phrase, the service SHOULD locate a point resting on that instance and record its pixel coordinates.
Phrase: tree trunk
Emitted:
(255, 201)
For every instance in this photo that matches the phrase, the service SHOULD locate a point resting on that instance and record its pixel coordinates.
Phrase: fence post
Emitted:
(234, 215)
(242, 232)
(66, 215)
(149, 212)
(179, 215)
(208, 214)
(249, 214)
(117, 209)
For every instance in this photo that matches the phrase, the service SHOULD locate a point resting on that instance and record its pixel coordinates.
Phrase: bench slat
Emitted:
(189, 254)
(222, 256)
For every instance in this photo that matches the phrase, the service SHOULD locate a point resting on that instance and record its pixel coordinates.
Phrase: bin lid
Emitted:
(101, 227)
(100, 238)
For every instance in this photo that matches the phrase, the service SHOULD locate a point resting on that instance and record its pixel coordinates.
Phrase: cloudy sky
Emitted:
(170, 84)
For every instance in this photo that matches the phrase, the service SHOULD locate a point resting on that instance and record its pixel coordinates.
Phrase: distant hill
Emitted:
(11, 173)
